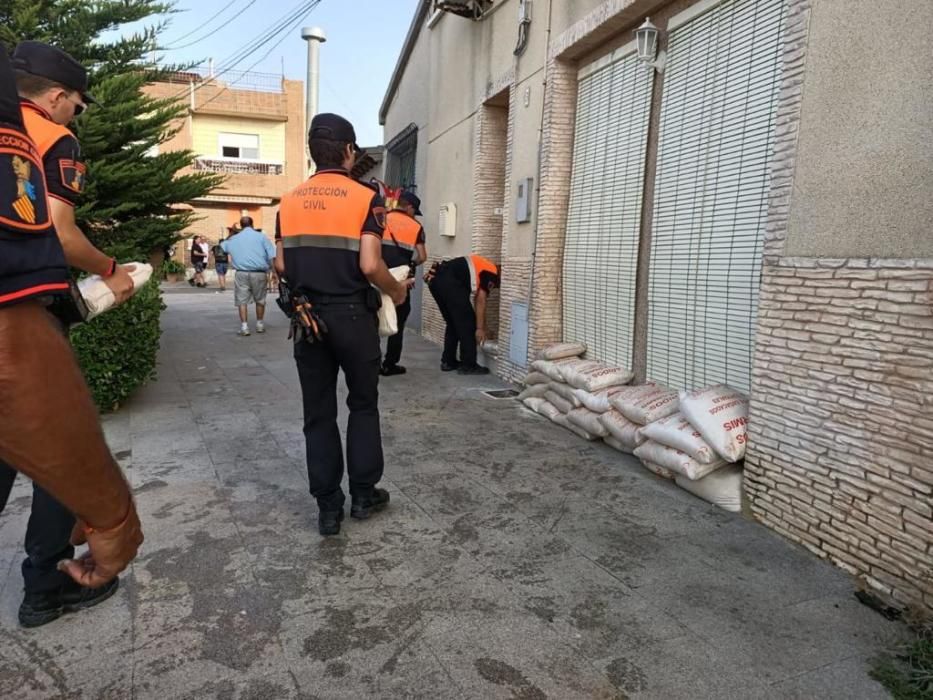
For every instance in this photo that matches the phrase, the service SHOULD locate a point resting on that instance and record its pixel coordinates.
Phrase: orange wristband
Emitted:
(90, 530)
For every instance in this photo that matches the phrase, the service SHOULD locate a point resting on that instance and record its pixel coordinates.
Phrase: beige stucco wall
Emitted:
(864, 174)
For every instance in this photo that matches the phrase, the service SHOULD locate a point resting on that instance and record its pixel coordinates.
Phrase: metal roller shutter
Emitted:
(604, 218)
(711, 199)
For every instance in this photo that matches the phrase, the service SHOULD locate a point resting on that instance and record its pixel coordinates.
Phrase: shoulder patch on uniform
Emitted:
(379, 213)
(72, 175)
(23, 204)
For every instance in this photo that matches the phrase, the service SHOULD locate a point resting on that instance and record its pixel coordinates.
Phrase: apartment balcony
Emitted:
(239, 166)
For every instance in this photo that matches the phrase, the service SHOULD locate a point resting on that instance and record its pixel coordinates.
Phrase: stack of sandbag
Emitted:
(558, 378)
(630, 411)
(701, 443)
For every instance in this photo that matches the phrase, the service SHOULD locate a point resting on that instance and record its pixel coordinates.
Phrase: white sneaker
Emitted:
(260, 327)
(244, 329)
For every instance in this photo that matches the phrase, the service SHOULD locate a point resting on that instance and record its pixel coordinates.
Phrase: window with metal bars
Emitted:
(401, 153)
(604, 218)
(715, 148)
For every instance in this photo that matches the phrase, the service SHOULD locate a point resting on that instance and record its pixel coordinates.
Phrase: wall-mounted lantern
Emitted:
(646, 39)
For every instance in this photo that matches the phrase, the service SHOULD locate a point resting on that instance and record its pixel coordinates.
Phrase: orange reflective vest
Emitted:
(321, 223)
(400, 239)
(46, 133)
(478, 265)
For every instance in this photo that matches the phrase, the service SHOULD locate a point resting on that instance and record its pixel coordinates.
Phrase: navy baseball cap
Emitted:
(334, 128)
(412, 199)
(54, 64)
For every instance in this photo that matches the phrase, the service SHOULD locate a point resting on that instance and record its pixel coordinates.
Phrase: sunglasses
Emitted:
(79, 106)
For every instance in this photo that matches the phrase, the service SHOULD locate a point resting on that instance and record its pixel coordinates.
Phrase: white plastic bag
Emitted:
(652, 403)
(675, 460)
(559, 351)
(587, 420)
(388, 319)
(721, 416)
(566, 392)
(563, 421)
(558, 402)
(97, 295)
(722, 488)
(596, 376)
(677, 432)
(534, 378)
(551, 368)
(622, 429)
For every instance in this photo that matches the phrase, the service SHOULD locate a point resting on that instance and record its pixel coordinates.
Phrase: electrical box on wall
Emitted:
(447, 223)
(523, 200)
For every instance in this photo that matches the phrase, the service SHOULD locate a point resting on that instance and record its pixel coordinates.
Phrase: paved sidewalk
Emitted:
(516, 561)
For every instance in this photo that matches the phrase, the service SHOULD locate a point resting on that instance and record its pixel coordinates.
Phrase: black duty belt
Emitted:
(326, 299)
(258, 272)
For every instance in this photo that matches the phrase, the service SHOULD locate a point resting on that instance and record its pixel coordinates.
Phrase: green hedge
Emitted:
(117, 351)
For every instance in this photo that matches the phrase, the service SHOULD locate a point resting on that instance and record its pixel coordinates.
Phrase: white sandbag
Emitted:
(551, 368)
(535, 391)
(97, 295)
(535, 378)
(599, 401)
(596, 376)
(587, 420)
(542, 407)
(388, 318)
(652, 403)
(721, 416)
(675, 460)
(564, 422)
(722, 488)
(558, 402)
(560, 351)
(616, 444)
(565, 391)
(658, 470)
(677, 432)
(622, 429)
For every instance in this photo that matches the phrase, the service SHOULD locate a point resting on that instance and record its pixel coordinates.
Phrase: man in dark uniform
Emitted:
(461, 287)
(402, 244)
(329, 237)
(48, 423)
(53, 89)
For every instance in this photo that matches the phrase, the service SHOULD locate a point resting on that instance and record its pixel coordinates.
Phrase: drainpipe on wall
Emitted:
(537, 204)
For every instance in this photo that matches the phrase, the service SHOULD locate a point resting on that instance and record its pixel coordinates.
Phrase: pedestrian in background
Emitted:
(198, 261)
(221, 260)
(252, 256)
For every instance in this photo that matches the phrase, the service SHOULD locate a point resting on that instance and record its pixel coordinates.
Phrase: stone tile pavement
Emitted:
(516, 561)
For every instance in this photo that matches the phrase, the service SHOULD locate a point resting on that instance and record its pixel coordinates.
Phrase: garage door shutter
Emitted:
(601, 250)
(716, 140)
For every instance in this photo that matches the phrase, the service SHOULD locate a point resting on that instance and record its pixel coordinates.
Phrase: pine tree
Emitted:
(130, 206)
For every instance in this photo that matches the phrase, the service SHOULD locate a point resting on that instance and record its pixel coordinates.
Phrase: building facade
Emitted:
(249, 127)
(752, 209)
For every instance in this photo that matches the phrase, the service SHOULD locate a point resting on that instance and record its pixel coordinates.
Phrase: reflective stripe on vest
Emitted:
(401, 230)
(327, 211)
(478, 265)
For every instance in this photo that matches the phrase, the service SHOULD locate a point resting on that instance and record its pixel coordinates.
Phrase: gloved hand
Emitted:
(109, 551)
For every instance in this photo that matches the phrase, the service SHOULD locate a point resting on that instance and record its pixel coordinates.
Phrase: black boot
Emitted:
(362, 507)
(475, 369)
(39, 609)
(391, 370)
(449, 366)
(328, 522)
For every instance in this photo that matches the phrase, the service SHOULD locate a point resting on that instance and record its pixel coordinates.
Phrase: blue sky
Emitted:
(364, 38)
